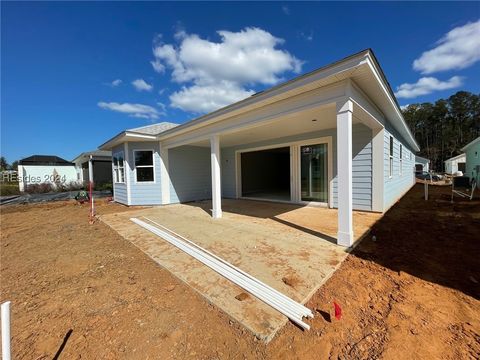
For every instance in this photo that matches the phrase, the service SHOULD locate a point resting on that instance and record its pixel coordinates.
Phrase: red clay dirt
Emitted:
(412, 293)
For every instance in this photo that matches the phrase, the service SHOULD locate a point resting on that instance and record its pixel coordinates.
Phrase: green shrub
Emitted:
(7, 189)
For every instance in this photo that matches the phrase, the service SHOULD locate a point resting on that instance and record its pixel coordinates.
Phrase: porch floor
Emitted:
(289, 247)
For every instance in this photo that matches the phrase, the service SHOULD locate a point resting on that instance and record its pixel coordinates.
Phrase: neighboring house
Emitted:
(454, 164)
(472, 157)
(334, 137)
(39, 169)
(422, 164)
(101, 163)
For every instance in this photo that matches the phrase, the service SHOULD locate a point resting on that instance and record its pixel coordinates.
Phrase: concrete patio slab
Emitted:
(290, 248)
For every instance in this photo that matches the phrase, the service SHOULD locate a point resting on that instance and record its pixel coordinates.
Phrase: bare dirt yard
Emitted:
(82, 291)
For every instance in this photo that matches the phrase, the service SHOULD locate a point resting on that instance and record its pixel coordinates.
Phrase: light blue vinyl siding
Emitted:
(397, 185)
(190, 173)
(144, 193)
(119, 189)
(472, 156)
(361, 164)
(361, 169)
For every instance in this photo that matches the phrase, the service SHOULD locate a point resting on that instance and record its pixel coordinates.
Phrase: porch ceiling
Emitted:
(302, 122)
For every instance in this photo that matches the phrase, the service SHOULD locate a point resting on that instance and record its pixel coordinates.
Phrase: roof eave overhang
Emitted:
(124, 137)
(378, 72)
(271, 95)
(364, 58)
(471, 143)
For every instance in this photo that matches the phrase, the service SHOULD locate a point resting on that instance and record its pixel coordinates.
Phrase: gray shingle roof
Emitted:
(44, 160)
(154, 129)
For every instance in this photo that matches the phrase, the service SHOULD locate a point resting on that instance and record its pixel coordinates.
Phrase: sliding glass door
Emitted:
(314, 173)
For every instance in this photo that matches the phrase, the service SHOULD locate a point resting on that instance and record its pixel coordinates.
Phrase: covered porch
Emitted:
(290, 247)
(323, 148)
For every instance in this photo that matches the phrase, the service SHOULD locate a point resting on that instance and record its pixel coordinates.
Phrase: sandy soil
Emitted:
(85, 292)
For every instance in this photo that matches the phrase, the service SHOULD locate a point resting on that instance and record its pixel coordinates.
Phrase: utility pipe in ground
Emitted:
(5, 314)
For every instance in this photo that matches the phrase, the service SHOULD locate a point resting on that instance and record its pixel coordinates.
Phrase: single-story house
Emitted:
(100, 163)
(422, 164)
(39, 169)
(454, 164)
(334, 137)
(472, 160)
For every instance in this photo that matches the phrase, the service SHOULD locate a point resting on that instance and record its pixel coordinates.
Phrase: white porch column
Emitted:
(90, 169)
(216, 175)
(344, 169)
(164, 175)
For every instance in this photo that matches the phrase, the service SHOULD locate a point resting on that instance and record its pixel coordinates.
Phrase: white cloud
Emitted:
(220, 72)
(427, 85)
(404, 107)
(162, 106)
(142, 85)
(206, 98)
(114, 83)
(307, 36)
(458, 49)
(133, 110)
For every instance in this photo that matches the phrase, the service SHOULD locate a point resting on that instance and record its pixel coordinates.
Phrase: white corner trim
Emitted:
(127, 173)
(378, 172)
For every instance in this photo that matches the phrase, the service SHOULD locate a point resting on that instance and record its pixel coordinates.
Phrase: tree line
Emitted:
(442, 128)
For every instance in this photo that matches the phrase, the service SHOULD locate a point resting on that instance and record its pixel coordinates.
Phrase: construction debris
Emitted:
(282, 303)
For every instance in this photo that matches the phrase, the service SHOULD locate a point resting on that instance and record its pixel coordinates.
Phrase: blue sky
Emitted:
(75, 74)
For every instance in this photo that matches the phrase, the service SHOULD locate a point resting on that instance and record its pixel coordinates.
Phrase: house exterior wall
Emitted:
(190, 173)
(144, 193)
(190, 170)
(472, 169)
(39, 174)
(451, 166)
(423, 162)
(397, 184)
(119, 189)
(361, 165)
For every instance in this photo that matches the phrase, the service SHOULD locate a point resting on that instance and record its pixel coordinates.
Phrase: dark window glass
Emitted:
(143, 158)
(145, 174)
(391, 146)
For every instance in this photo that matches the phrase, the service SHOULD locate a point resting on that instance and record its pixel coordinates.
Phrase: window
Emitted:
(401, 159)
(144, 165)
(391, 157)
(118, 167)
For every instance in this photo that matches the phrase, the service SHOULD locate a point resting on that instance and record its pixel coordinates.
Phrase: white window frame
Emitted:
(115, 168)
(401, 160)
(295, 191)
(145, 166)
(391, 145)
